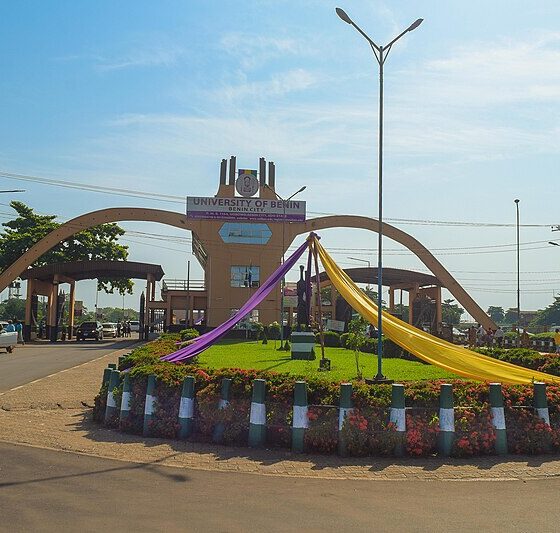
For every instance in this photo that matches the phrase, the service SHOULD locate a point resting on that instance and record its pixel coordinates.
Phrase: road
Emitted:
(40, 359)
(43, 490)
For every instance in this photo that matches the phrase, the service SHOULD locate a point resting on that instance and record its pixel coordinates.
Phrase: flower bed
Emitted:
(366, 430)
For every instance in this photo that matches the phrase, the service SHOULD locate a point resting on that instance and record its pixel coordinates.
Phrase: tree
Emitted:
(510, 316)
(548, 316)
(496, 314)
(356, 339)
(12, 308)
(98, 243)
(372, 295)
(451, 313)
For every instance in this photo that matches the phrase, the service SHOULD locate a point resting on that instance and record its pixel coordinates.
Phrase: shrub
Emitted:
(189, 334)
(273, 331)
(344, 340)
(331, 339)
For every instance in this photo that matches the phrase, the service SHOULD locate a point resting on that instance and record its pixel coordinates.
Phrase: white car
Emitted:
(110, 330)
(135, 326)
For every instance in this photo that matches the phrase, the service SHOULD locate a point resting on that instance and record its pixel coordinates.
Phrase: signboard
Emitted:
(335, 325)
(247, 183)
(254, 209)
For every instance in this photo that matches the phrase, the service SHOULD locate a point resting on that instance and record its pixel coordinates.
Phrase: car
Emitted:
(110, 330)
(89, 330)
(135, 326)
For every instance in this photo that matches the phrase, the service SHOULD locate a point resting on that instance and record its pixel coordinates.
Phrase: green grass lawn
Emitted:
(243, 354)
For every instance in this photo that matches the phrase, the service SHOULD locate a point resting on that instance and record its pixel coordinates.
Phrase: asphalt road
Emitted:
(43, 490)
(37, 360)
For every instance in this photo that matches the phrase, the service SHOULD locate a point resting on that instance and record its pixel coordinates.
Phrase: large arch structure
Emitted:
(180, 220)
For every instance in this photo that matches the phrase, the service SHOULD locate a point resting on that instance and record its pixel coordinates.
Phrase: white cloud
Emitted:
(253, 51)
(155, 55)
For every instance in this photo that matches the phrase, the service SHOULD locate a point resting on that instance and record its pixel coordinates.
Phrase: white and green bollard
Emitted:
(149, 405)
(218, 434)
(112, 366)
(498, 418)
(106, 377)
(539, 401)
(398, 416)
(345, 408)
(126, 399)
(300, 421)
(111, 408)
(186, 408)
(446, 419)
(257, 418)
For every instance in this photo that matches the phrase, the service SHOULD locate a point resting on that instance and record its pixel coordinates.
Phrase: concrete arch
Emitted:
(447, 280)
(89, 220)
(180, 220)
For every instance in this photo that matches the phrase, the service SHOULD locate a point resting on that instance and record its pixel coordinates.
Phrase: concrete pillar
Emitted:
(439, 316)
(51, 313)
(28, 310)
(71, 306)
(391, 299)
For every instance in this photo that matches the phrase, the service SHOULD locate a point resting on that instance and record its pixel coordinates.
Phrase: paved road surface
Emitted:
(36, 360)
(43, 490)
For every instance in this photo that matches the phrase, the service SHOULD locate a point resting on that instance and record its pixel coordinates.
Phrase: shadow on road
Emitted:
(153, 467)
(272, 456)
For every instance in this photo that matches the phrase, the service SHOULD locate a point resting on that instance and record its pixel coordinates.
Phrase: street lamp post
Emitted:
(363, 261)
(283, 281)
(518, 283)
(381, 53)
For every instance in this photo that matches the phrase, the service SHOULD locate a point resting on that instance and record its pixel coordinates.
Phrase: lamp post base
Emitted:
(379, 380)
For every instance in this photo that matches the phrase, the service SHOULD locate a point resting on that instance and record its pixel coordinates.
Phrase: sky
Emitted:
(150, 96)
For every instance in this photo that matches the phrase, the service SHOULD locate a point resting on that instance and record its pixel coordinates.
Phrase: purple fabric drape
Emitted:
(206, 340)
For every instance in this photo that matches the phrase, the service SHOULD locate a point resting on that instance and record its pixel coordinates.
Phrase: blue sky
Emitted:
(151, 96)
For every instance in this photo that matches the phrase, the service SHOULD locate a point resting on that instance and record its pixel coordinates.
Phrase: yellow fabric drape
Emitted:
(431, 349)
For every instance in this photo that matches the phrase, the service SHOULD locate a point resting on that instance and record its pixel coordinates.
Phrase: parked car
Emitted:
(110, 330)
(89, 330)
(135, 326)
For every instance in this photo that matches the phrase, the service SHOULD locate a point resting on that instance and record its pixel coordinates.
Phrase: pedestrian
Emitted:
(489, 338)
(525, 340)
(119, 328)
(557, 340)
(472, 337)
(128, 328)
(480, 335)
(499, 337)
(19, 329)
(10, 328)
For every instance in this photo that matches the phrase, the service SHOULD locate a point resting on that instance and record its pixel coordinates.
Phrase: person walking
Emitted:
(19, 329)
(480, 335)
(472, 337)
(10, 328)
(499, 337)
(119, 328)
(557, 340)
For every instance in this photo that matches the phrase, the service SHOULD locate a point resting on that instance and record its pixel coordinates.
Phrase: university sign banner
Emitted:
(254, 209)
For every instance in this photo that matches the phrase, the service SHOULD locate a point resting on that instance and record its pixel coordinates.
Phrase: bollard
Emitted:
(300, 421)
(218, 434)
(112, 366)
(257, 419)
(149, 405)
(539, 401)
(398, 416)
(498, 418)
(186, 408)
(446, 419)
(344, 410)
(121, 359)
(106, 377)
(111, 409)
(125, 401)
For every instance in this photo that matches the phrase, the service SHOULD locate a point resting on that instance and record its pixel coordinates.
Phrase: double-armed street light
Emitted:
(381, 53)
(518, 276)
(283, 281)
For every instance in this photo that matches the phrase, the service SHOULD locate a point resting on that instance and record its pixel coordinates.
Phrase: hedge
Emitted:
(366, 432)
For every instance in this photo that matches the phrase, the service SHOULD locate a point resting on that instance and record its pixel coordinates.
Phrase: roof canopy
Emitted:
(79, 270)
(391, 276)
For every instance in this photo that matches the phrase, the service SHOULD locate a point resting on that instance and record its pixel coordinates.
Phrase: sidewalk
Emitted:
(53, 413)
